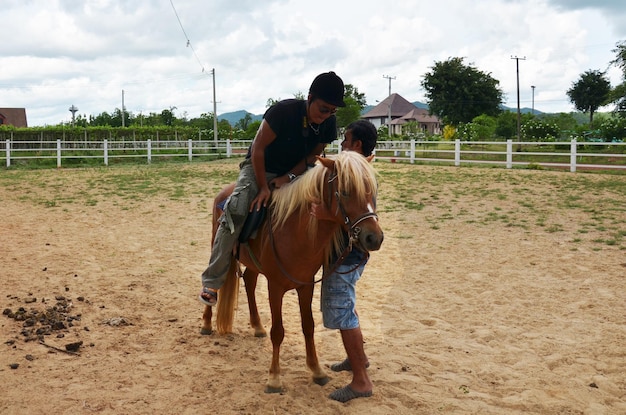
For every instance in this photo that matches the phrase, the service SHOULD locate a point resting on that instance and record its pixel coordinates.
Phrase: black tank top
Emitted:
(295, 138)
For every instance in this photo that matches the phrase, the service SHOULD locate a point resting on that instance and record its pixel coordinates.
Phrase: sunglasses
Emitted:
(323, 109)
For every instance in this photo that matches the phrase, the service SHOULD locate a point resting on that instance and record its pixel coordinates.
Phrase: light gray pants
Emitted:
(230, 225)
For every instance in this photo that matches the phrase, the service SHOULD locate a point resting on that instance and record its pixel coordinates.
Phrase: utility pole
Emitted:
(214, 110)
(519, 114)
(122, 108)
(533, 107)
(389, 104)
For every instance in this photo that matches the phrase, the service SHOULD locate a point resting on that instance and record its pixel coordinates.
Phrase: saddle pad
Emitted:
(252, 223)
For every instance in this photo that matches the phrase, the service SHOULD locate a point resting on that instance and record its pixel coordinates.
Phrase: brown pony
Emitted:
(291, 245)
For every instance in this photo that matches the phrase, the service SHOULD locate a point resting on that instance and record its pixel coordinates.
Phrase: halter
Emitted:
(351, 228)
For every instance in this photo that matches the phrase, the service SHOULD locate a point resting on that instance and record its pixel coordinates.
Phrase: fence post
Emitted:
(105, 147)
(457, 152)
(572, 156)
(8, 149)
(190, 152)
(509, 154)
(150, 149)
(412, 151)
(58, 153)
(229, 148)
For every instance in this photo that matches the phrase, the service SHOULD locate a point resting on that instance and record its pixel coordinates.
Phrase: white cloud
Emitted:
(84, 53)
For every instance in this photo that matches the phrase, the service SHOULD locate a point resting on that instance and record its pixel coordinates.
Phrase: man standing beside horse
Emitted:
(338, 299)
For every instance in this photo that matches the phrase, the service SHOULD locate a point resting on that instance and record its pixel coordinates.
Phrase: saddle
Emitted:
(252, 223)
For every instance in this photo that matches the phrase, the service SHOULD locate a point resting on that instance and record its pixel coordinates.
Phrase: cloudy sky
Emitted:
(58, 53)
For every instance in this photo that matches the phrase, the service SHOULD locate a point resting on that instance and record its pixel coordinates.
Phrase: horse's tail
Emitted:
(227, 296)
(227, 299)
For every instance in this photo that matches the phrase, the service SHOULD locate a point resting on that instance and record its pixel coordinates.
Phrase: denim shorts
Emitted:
(338, 298)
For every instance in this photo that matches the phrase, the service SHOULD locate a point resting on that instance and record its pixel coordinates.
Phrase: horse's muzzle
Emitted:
(372, 241)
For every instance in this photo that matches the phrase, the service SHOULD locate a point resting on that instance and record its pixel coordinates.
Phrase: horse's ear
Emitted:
(370, 158)
(326, 162)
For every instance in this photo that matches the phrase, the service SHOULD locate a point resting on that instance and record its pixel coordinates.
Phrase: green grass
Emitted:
(540, 201)
(523, 199)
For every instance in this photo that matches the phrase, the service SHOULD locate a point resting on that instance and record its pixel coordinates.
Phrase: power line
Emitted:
(200, 63)
(189, 45)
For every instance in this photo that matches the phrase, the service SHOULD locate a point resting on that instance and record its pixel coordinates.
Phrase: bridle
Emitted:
(351, 228)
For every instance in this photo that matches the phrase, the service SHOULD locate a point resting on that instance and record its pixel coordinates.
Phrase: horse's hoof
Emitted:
(206, 332)
(321, 381)
(272, 389)
(260, 333)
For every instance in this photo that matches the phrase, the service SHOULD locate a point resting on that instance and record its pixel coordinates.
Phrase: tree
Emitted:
(590, 92)
(564, 121)
(506, 125)
(252, 129)
(116, 118)
(412, 129)
(355, 102)
(244, 122)
(224, 128)
(618, 94)
(458, 93)
(101, 120)
(271, 101)
(204, 122)
(168, 117)
(485, 127)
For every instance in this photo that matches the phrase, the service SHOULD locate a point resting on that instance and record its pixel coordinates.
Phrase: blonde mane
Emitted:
(355, 177)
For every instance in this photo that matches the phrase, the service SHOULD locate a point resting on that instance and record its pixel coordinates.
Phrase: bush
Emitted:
(613, 129)
(537, 130)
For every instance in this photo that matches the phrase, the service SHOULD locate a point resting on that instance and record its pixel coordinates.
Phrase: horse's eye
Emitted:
(345, 195)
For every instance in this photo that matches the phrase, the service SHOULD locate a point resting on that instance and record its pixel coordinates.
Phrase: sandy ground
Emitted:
(495, 292)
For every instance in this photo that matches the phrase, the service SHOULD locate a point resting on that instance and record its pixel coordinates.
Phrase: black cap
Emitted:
(328, 87)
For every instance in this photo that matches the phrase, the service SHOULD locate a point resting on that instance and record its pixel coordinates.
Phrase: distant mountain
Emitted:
(234, 117)
(420, 105)
(524, 110)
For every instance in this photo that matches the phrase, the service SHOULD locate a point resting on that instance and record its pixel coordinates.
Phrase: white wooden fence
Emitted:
(573, 155)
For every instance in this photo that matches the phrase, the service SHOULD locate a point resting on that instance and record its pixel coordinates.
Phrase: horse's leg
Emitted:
(277, 334)
(250, 280)
(206, 317)
(305, 298)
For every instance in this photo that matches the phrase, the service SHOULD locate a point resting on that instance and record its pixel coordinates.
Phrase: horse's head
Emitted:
(351, 193)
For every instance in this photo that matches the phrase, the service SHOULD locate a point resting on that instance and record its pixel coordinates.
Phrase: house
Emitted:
(426, 122)
(401, 112)
(13, 116)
